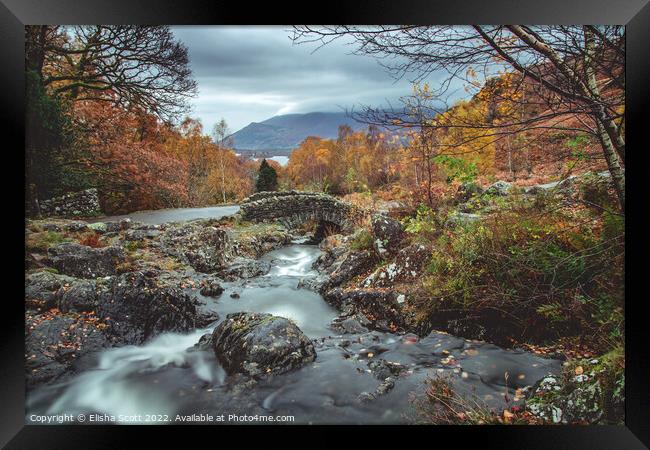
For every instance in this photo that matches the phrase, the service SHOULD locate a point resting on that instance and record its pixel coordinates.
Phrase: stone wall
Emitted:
(76, 204)
(293, 208)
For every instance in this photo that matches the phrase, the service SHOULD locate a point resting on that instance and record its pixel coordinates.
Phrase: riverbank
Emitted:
(93, 289)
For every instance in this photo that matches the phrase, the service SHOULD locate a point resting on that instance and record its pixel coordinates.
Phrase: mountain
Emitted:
(287, 131)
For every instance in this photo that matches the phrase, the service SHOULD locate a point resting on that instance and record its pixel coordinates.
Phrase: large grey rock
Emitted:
(80, 296)
(499, 188)
(375, 309)
(54, 343)
(243, 268)
(141, 305)
(42, 288)
(204, 247)
(258, 344)
(85, 262)
(387, 235)
(407, 266)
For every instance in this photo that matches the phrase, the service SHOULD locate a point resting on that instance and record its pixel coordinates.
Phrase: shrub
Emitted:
(536, 274)
(92, 239)
(442, 405)
(361, 240)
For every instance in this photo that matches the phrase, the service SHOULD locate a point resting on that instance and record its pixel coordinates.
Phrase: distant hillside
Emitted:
(286, 132)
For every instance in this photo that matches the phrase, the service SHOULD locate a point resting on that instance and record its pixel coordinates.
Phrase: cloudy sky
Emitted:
(249, 74)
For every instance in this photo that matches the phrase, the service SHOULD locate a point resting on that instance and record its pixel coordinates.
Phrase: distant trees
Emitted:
(105, 109)
(267, 178)
(576, 72)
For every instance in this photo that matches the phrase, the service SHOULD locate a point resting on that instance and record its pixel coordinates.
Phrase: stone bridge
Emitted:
(294, 208)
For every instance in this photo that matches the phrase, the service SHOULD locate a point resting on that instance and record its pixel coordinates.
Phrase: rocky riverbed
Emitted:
(226, 317)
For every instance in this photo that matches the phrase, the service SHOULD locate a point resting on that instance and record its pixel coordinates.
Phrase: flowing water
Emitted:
(166, 377)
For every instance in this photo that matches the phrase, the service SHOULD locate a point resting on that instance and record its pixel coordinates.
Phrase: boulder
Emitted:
(406, 267)
(204, 247)
(53, 344)
(140, 305)
(257, 344)
(80, 296)
(348, 266)
(380, 309)
(499, 188)
(243, 268)
(211, 288)
(387, 235)
(85, 262)
(42, 289)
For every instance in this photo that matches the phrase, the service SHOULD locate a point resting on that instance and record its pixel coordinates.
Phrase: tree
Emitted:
(220, 134)
(578, 71)
(267, 178)
(134, 66)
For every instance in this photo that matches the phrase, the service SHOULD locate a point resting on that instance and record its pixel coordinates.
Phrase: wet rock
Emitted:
(212, 288)
(383, 369)
(348, 266)
(140, 305)
(85, 262)
(201, 245)
(380, 308)
(365, 397)
(53, 343)
(234, 295)
(42, 289)
(500, 188)
(205, 343)
(257, 241)
(387, 235)
(258, 344)
(244, 268)
(407, 266)
(79, 296)
(349, 325)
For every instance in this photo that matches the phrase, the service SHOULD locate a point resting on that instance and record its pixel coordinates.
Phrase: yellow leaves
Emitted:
(579, 370)
(507, 416)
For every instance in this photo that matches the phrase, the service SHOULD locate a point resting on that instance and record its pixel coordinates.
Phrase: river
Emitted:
(166, 377)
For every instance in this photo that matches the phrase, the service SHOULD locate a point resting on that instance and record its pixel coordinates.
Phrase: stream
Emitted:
(167, 377)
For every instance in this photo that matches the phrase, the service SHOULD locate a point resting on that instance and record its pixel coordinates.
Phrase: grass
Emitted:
(362, 240)
(39, 242)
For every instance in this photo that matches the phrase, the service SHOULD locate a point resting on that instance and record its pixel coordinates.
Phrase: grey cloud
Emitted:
(248, 74)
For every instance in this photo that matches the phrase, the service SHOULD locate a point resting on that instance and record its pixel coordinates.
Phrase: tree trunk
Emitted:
(610, 150)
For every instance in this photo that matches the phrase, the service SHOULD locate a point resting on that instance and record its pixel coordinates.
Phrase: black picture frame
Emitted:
(15, 14)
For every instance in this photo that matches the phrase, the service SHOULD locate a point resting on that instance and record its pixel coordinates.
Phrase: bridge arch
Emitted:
(294, 208)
